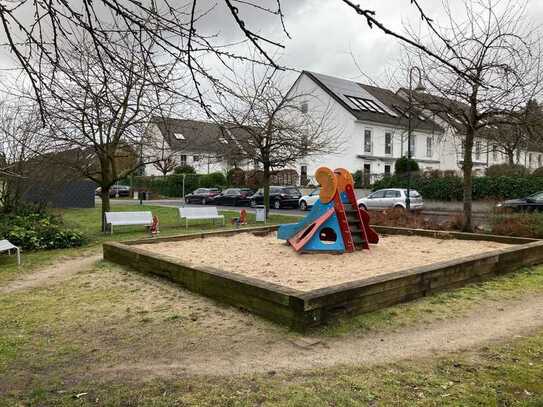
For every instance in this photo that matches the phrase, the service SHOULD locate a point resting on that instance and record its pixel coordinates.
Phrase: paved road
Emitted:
(439, 215)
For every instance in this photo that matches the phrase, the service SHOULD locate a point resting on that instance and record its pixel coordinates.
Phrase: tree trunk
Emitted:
(266, 186)
(467, 225)
(511, 158)
(106, 207)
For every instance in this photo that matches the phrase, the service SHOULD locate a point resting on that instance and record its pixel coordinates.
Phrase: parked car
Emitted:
(307, 201)
(280, 197)
(531, 203)
(233, 197)
(201, 195)
(391, 198)
(115, 190)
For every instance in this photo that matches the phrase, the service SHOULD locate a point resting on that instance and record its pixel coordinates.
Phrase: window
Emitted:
(429, 146)
(539, 160)
(178, 136)
(404, 113)
(223, 140)
(366, 104)
(304, 107)
(530, 160)
(413, 144)
(196, 158)
(495, 152)
(387, 170)
(392, 194)
(183, 159)
(477, 150)
(377, 194)
(518, 156)
(367, 141)
(388, 143)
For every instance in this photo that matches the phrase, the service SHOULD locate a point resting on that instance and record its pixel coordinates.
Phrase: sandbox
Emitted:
(251, 269)
(268, 259)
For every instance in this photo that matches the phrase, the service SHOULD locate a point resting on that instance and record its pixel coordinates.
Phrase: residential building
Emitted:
(206, 146)
(373, 123)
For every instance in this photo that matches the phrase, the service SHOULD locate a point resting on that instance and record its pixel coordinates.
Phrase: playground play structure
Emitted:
(336, 223)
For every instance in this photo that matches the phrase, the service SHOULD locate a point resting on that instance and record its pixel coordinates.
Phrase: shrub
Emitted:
(506, 170)
(538, 172)
(404, 165)
(38, 231)
(450, 188)
(358, 178)
(522, 225)
(213, 180)
(236, 177)
(184, 169)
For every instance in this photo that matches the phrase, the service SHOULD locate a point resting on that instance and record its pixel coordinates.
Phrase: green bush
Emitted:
(236, 177)
(184, 169)
(172, 185)
(404, 164)
(506, 170)
(38, 231)
(358, 178)
(449, 188)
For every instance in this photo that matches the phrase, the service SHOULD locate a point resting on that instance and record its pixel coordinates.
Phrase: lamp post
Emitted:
(420, 87)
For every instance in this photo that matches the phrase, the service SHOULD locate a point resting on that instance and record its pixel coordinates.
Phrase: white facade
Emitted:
(367, 146)
(202, 162)
(373, 147)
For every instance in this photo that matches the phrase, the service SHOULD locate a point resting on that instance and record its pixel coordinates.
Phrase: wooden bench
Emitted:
(7, 246)
(128, 219)
(207, 212)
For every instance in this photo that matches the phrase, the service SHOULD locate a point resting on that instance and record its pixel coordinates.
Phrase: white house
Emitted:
(373, 122)
(206, 146)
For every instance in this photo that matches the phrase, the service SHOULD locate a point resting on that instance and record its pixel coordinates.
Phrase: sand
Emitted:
(272, 260)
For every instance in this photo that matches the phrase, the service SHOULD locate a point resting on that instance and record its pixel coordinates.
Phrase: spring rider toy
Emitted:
(335, 223)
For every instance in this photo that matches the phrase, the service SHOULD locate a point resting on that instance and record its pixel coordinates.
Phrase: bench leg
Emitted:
(186, 223)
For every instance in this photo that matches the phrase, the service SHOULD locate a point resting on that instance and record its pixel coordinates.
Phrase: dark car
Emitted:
(233, 197)
(202, 196)
(280, 197)
(115, 190)
(530, 203)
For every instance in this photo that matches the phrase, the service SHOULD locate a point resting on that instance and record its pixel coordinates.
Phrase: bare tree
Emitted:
(20, 141)
(98, 106)
(276, 131)
(499, 57)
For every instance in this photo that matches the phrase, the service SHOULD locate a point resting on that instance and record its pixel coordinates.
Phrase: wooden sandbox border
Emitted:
(303, 309)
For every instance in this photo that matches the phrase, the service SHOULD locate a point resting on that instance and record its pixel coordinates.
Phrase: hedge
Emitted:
(450, 188)
(172, 185)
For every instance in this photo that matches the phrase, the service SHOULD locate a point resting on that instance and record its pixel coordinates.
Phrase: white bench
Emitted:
(6, 245)
(207, 212)
(128, 218)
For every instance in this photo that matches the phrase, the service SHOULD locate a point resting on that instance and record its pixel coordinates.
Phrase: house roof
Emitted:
(203, 137)
(441, 106)
(371, 103)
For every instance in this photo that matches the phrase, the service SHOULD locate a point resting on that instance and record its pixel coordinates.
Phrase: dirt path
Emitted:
(52, 274)
(488, 323)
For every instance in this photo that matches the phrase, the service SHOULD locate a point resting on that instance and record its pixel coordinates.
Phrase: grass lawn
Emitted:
(111, 336)
(87, 221)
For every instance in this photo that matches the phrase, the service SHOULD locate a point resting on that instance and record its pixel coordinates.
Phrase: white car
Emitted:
(391, 198)
(307, 201)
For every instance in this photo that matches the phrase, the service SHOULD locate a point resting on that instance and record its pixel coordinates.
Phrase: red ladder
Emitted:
(367, 234)
(343, 224)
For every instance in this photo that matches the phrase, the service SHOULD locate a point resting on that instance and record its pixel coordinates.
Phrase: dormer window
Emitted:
(304, 107)
(223, 140)
(366, 104)
(178, 136)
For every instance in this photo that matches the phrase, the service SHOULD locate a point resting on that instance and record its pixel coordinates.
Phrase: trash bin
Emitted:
(260, 213)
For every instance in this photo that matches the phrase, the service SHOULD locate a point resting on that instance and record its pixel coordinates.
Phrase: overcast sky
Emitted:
(326, 32)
